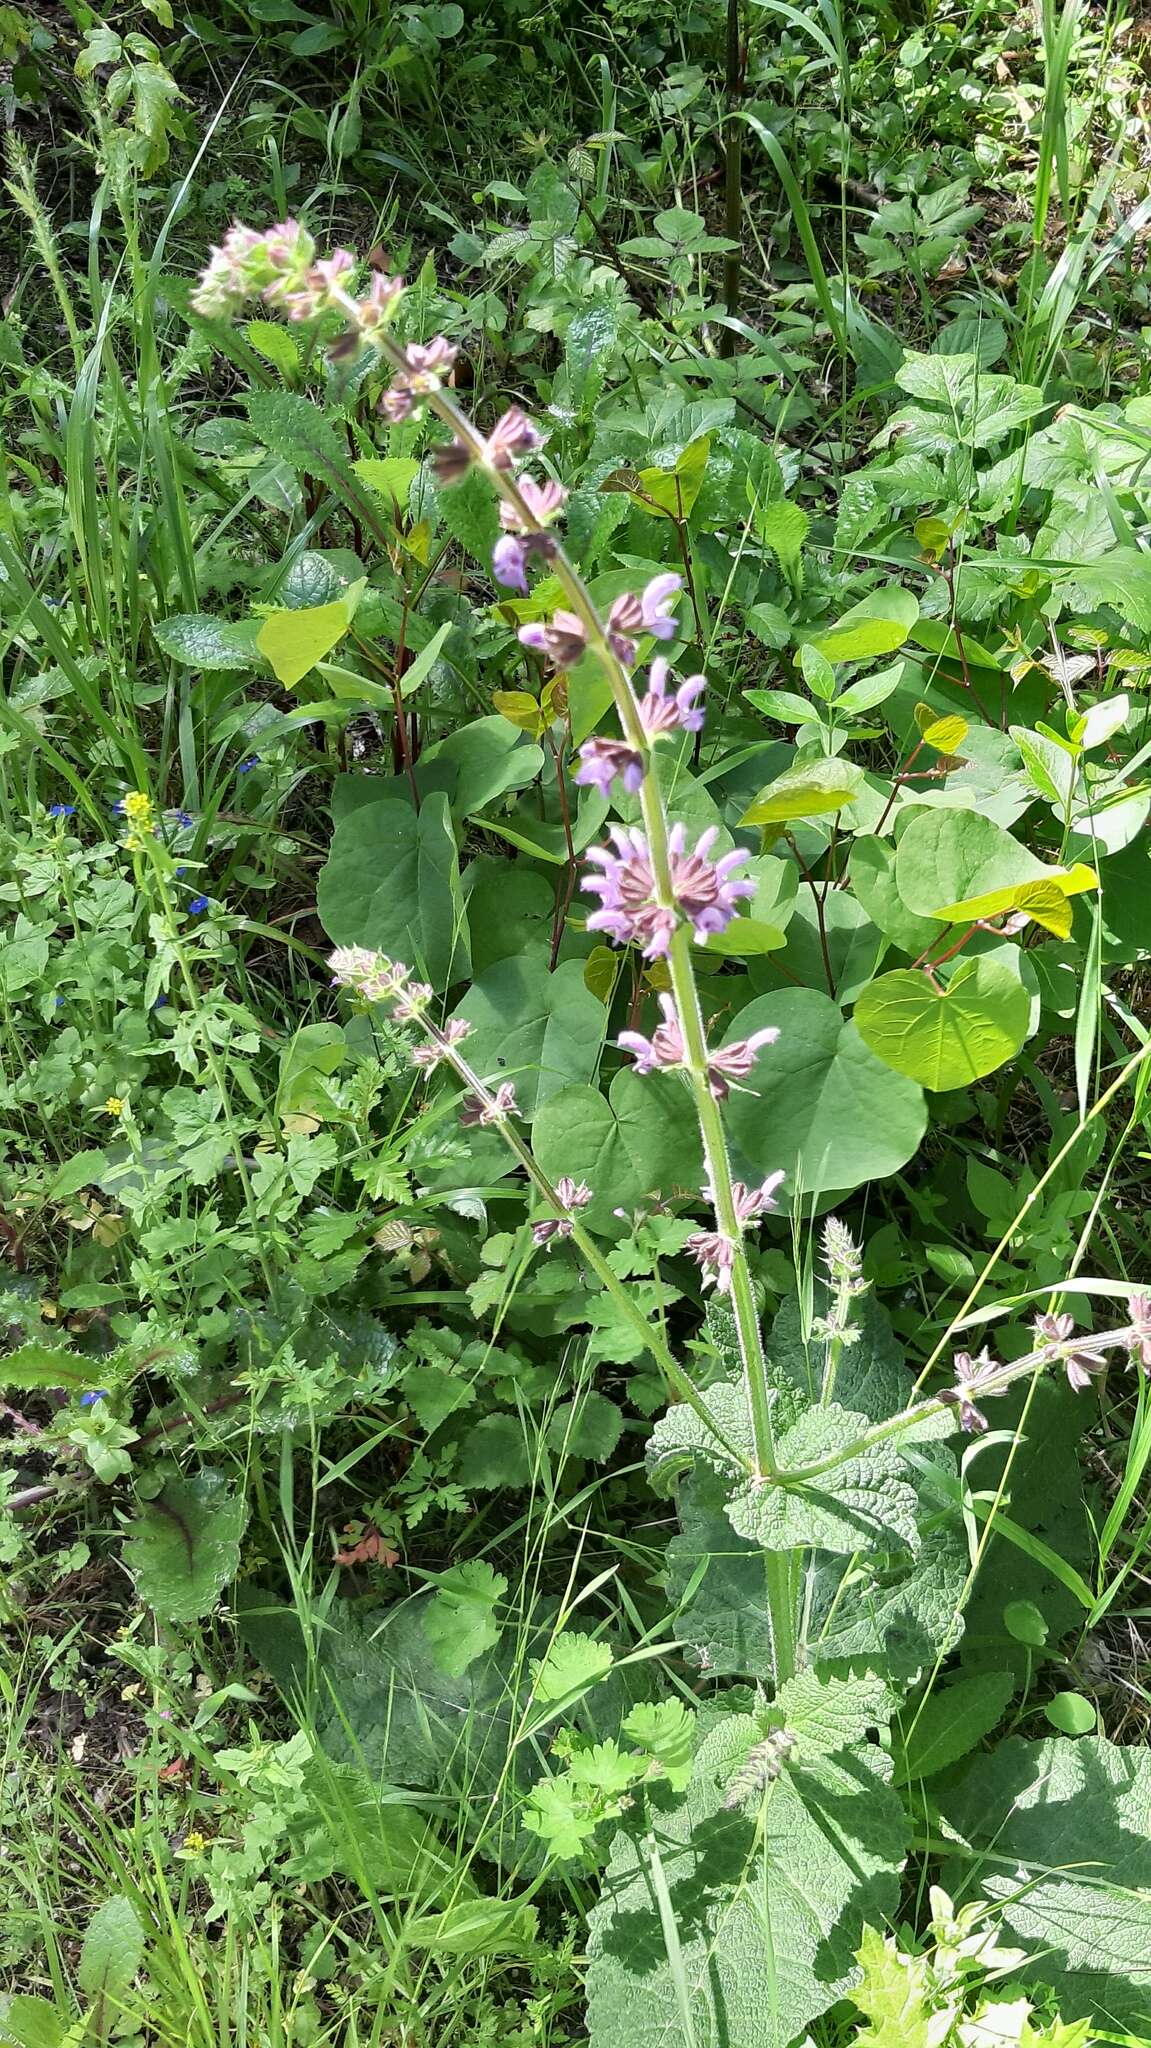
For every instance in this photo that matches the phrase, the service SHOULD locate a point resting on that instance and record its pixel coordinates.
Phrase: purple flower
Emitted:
(665, 1047)
(90, 1400)
(973, 1376)
(661, 713)
(512, 436)
(183, 818)
(198, 904)
(600, 761)
(453, 1033)
(733, 1063)
(1080, 1363)
(246, 767)
(61, 810)
(544, 503)
(510, 562)
(426, 364)
(648, 613)
(571, 1196)
(563, 640)
(630, 911)
(715, 1255)
(1141, 1330)
(475, 1109)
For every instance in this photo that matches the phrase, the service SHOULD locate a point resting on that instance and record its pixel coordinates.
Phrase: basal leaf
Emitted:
(1067, 1828)
(111, 1955)
(183, 1547)
(460, 1622)
(201, 641)
(768, 1899)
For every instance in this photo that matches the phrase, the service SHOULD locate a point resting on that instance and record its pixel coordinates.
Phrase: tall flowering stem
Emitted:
(682, 974)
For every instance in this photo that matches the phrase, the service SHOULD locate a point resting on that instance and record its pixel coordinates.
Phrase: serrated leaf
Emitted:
(572, 1663)
(768, 1903)
(391, 476)
(276, 345)
(783, 527)
(460, 1622)
(296, 432)
(867, 1500)
(589, 1427)
(666, 1730)
(35, 1365)
(1067, 1825)
(183, 1547)
(493, 1455)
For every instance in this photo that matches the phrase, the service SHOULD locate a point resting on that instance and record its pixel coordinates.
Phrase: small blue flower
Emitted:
(246, 767)
(160, 1003)
(181, 871)
(61, 810)
(183, 818)
(118, 807)
(59, 1003)
(97, 1394)
(198, 904)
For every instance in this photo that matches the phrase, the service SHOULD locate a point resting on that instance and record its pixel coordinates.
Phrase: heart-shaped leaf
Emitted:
(945, 1038)
(634, 1143)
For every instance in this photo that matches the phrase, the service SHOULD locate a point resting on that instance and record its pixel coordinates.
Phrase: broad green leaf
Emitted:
(1120, 578)
(1046, 900)
(277, 346)
(1066, 1826)
(630, 1146)
(814, 790)
(746, 938)
(460, 1621)
(1071, 1714)
(878, 624)
(418, 670)
(204, 642)
(949, 1723)
(666, 1730)
(588, 1427)
(27, 2022)
(897, 1995)
(112, 1953)
(293, 642)
(947, 856)
(768, 1898)
(671, 494)
(183, 1547)
(945, 1037)
(391, 882)
(820, 1105)
(873, 880)
(945, 734)
(538, 1030)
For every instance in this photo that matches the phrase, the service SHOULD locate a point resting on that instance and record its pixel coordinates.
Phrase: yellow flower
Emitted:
(138, 807)
(194, 1843)
(115, 1105)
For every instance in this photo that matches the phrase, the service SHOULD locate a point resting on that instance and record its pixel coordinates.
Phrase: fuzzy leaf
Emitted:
(184, 1545)
(769, 1902)
(571, 1664)
(204, 642)
(863, 1502)
(950, 1722)
(1068, 1827)
(666, 1730)
(112, 1953)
